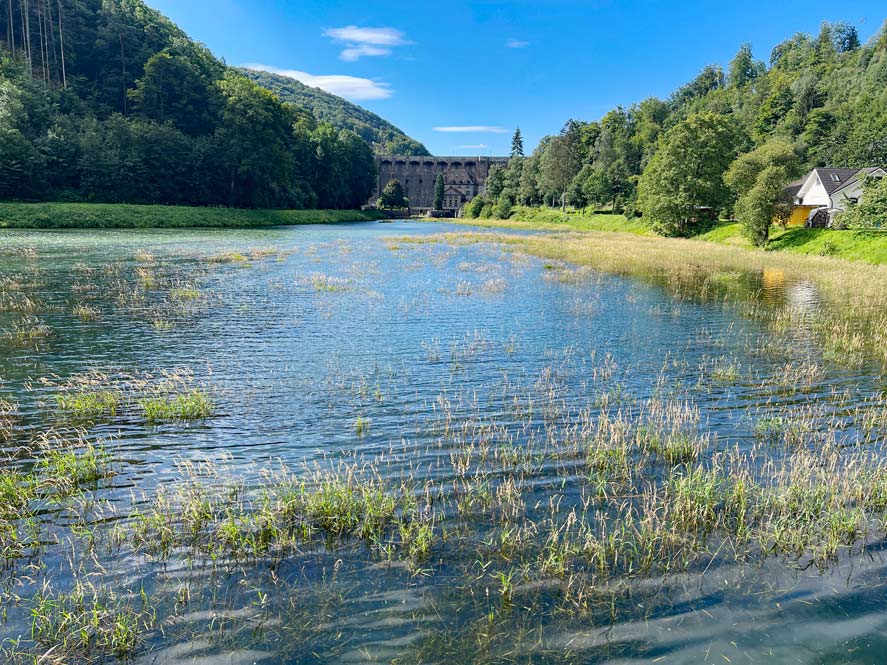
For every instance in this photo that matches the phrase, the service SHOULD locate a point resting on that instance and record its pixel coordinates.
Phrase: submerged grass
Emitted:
(193, 405)
(98, 397)
(844, 304)
(549, 498)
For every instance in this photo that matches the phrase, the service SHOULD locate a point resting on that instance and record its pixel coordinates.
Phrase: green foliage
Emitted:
(105, 216)
(439, 192)
(825, 94)
(193, 405)
(684, 182)
(502, 210)
(871, 211)
(384, 137)
(744, 69)
(127, 109)
(517, 144)
(495, 182)
(174, 90)
(758, 178)
(474, 207)
(757, 208)
(393, 197)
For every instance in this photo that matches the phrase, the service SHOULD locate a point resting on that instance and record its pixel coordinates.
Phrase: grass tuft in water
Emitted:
(193, 405)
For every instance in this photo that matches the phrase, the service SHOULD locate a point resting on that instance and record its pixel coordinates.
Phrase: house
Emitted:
(831, 189)
(454, 198)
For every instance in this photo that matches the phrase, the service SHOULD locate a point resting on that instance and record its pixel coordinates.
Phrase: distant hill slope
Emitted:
(381, 134)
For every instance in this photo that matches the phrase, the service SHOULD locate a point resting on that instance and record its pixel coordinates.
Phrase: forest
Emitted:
(724, 144)
(385, 138)
(108, 101)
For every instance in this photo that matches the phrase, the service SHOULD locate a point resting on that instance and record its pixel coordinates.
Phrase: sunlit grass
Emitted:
(193, 405)
(87, 406)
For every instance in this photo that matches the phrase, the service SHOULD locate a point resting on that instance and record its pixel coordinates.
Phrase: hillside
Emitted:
(819, 100)
(108, 101)
(381, 134)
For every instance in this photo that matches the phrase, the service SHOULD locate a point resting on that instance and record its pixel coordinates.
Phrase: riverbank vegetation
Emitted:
(121, 216)
(821, 101)
(542, 498)
(867, 245)
(111, 102)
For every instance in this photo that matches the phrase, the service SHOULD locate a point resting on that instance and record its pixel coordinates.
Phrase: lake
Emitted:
(374, 443)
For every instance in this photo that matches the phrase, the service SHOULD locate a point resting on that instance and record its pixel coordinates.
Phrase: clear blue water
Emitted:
(347, 322)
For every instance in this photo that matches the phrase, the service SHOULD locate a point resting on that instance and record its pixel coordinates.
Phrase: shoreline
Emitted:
(47, 216)
(854, 245)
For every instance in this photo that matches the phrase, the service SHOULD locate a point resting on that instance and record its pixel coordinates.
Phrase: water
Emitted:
(299, 334)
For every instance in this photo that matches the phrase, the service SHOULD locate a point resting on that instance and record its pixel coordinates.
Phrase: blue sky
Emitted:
(459, 76)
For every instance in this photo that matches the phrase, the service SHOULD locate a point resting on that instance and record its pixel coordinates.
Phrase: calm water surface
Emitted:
(334, 325)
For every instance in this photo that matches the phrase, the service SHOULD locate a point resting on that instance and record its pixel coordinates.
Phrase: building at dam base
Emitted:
(464, 178)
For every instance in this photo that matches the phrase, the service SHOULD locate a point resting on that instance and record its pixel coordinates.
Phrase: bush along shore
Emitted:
(120, 216)
(868, 245)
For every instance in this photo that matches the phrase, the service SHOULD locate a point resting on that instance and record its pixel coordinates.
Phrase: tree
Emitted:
(684, 181)
(474, 207)
(439, 192)
(709, 79)
(495, 183)
(871, 211)
(845, 37)
(393, 197)
(761, 205)
(256, 144)
(744, 68)
(172, 89)
(759, 178)
(18, 165)
(517, 144)
(560, 161)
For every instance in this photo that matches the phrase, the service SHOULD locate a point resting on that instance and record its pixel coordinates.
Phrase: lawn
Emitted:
(108, 216)
(867, 245)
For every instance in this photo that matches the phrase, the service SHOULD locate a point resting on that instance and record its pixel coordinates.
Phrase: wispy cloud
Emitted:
(471, 129)
(479, 146)
(350, 87)
(516, 43)
(366, 42)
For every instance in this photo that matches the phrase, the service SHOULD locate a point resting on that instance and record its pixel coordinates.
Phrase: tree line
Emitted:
(109, 101)
(726, 143)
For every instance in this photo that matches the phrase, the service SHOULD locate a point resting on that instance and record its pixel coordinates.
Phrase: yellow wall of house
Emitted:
(800, 214)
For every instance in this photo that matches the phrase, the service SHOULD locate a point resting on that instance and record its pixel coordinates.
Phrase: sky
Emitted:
(460, 76)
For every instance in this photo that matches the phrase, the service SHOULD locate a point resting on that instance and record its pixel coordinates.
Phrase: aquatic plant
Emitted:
(193, 405)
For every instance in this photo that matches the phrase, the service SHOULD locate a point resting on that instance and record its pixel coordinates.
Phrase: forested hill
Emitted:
(385, 137)
(108, 100)
(817, 100)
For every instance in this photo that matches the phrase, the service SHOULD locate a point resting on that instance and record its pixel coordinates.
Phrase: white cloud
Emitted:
(360, 42)
(356, 52)
(377, 36)
(350, 87)
(516, 43)
(479, 146)
(472, 129)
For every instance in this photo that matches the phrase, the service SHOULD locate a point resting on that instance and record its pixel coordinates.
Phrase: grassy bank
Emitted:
(119, 216)
(869, 246)
(548, 219)
(852, 328)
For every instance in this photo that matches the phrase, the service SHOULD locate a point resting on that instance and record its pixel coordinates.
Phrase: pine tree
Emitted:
(439, 191)
(517, 144)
